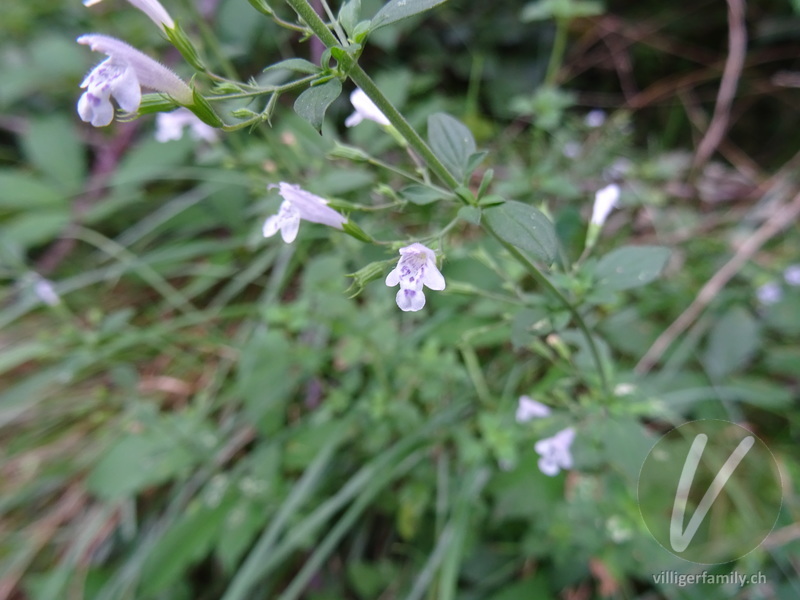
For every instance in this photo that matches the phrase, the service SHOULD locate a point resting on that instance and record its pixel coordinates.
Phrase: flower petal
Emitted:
(548, 466)
(393, 278)
(289, 228)
(271, 225)
(353, 120)
(410, 300)
(95, 110)
(126, 91)
(432, 277)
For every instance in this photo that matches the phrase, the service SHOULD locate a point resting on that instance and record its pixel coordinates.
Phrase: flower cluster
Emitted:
(554, 452)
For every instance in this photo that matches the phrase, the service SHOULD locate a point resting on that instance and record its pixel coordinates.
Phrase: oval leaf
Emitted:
(452, 142)
(524, 227)
(420, 194)
(312, 104)
(397, 10)
(733, 340)
(631, 266)
(298, 65)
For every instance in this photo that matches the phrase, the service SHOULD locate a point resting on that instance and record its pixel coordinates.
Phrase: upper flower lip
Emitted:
(150, 73)
(297, 205)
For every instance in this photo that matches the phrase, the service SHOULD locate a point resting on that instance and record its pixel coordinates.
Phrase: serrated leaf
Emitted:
(312, 104)
(733, 340)
(452, 142)
(524, 227)
(631, 266)
(298, 65)
(397, 10)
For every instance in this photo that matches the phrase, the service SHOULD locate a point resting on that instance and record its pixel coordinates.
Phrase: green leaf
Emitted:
(560, 9)
(470, 214)
(185, 543)
(732, 342)
(349, 14)
(162, 450)
(23, 191)
(312, 104)
(524, 227)
(53, 146)
(34, 227)
(631, 266)
(420, 194)
(452, 142)
(397, 10)
(298, 65)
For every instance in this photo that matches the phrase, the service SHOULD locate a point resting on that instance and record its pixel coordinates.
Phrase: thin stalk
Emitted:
(338, 28)
(557, 55)
(362, 80)
(556, 293)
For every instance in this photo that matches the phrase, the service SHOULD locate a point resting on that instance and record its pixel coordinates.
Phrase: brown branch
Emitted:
(737, 50)
(779, 220)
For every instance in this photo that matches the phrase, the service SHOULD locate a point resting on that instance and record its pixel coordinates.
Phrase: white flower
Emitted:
(170, 126)
(792, 275)
(554, 451)
(365, 109)
(769, 293)
(298, 205)
(152, 8)
(604, 200)
(416, 267)
(529, 409)
(122, 75)
(43, 288)
(595, 118)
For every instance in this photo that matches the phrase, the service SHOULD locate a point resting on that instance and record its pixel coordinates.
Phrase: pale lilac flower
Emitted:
(416, 267)
(529, 409)
(152, 8)
(365, 109)
(572, 149)
(595, 118)
(619, 169)
(121, 76)
(604, 201)
(792, 275)
(555, 453)
(298, 205)
(769, 293)
(43, 288)
(170, 126)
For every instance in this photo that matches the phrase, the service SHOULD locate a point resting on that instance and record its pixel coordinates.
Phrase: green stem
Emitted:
(338, 28)
(556, 293)
(557, 55)
(362, 80)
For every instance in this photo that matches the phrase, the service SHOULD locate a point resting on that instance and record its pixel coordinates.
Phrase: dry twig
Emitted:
(779, 220)
(737, 50)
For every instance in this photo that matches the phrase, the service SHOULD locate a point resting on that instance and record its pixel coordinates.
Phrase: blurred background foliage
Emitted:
(202, 414)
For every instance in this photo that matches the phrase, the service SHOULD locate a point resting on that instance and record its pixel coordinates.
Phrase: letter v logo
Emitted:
(680, 539)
